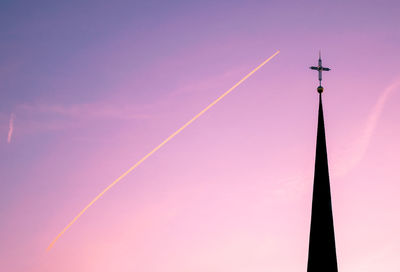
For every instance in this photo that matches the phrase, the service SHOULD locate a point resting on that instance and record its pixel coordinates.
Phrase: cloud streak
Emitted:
(376, 113)
(10, 128)
(46, 116)
(88, 111)
(372, 121)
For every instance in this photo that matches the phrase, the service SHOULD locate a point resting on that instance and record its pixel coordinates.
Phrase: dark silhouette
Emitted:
(322, 249)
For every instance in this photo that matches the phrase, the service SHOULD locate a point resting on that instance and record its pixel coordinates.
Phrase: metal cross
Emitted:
(320, 68)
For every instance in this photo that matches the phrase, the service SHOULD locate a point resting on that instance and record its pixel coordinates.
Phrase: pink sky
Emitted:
(95, 86)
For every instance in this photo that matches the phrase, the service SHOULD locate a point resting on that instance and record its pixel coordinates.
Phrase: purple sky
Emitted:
(89, 87)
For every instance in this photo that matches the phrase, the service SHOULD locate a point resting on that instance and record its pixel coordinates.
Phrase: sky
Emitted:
(87, 88)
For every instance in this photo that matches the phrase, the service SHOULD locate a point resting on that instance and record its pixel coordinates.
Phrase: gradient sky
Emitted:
(89, 87)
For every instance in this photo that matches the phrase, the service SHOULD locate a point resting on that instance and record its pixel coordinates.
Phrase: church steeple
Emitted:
(322, 249)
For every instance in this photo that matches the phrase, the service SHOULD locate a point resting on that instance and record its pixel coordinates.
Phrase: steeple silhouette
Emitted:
(322, 249)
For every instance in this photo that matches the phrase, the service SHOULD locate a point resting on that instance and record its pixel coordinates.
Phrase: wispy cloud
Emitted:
(359, 149)
(211, 82)
(86, 111)
(376, 113)
(47, 116)
(11, 128)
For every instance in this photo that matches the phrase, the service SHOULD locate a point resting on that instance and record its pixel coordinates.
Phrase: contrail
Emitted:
(11, 128)
(157, 148)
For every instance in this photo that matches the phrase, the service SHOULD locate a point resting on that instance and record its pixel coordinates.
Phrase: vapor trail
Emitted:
(157, 148)
(10, 128)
